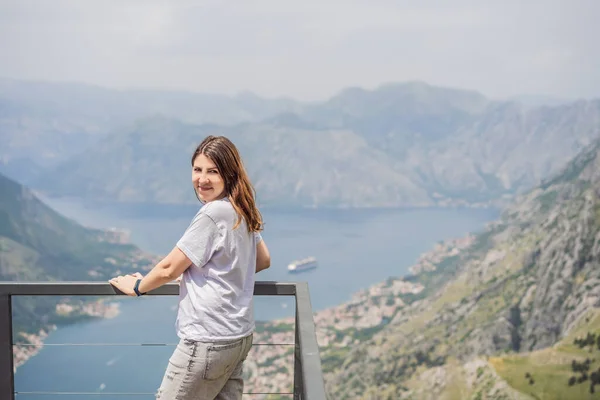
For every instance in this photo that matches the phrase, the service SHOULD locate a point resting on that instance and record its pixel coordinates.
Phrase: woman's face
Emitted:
(207, 180)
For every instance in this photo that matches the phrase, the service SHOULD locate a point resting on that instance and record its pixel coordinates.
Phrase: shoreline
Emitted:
(35, 342)
(32, 343)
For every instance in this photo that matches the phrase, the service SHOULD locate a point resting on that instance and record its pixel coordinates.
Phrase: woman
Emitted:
(218, 256)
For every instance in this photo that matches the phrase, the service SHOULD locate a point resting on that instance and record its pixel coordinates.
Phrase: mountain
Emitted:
(490, 151)
(44, 123)
(515, 314)
(112, 106)
(508, 149)
(399, 113)
(399, 145)
(38, 244)
(151, 162)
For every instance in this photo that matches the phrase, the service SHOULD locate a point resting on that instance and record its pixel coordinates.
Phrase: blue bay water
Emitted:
(354, 249)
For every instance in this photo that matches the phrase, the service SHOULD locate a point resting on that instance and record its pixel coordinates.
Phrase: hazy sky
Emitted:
(306, 49)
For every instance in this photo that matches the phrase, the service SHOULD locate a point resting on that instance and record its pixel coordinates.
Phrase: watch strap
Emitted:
(136, 288)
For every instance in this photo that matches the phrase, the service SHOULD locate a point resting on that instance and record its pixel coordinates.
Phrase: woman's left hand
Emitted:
(125, 283)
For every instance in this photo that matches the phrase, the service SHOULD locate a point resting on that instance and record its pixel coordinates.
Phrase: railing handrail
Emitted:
(308, 375)
(90, 288)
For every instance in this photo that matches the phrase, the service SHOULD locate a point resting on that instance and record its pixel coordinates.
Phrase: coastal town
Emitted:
(270, 363)
(28, 344)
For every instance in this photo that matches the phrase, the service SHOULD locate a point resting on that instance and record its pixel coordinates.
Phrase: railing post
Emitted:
(308, 360)
(7, 377)
(298, 384)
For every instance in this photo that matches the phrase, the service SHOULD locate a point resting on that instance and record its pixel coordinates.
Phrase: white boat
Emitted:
(302, 265)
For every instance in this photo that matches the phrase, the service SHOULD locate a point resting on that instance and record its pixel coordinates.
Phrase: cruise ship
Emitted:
(302, 265)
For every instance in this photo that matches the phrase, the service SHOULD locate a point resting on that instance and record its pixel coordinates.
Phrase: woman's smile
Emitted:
(207, 180)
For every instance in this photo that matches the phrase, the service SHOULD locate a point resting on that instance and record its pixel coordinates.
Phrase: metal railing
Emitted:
(308, 376)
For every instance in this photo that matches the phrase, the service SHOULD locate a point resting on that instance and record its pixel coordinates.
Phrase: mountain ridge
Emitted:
(425, 145)
(475, 166)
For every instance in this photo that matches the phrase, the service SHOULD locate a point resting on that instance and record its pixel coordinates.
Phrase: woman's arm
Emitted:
(167, 270)
(263, 258)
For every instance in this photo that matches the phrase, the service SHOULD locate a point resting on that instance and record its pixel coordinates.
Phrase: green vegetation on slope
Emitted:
(38, 244)
(549, 374)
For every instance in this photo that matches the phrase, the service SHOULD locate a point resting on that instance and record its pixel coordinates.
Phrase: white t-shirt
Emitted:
(216, 292)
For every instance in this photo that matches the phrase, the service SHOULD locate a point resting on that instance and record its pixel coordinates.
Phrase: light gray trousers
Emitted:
(205, 371)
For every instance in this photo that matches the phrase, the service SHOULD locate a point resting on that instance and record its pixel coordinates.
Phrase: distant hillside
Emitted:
(42, 123)
(395, 115)
(510, 148)
(37, 244)
(515, 315)
(403, 144)
(501, 152)
(151, 163)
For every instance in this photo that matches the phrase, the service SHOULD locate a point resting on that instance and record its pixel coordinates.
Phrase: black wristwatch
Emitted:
(136, 288)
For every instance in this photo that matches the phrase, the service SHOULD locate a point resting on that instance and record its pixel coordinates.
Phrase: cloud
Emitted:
(306, 49)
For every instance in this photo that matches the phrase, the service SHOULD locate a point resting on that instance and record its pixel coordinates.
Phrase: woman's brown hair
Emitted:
(238, 188)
